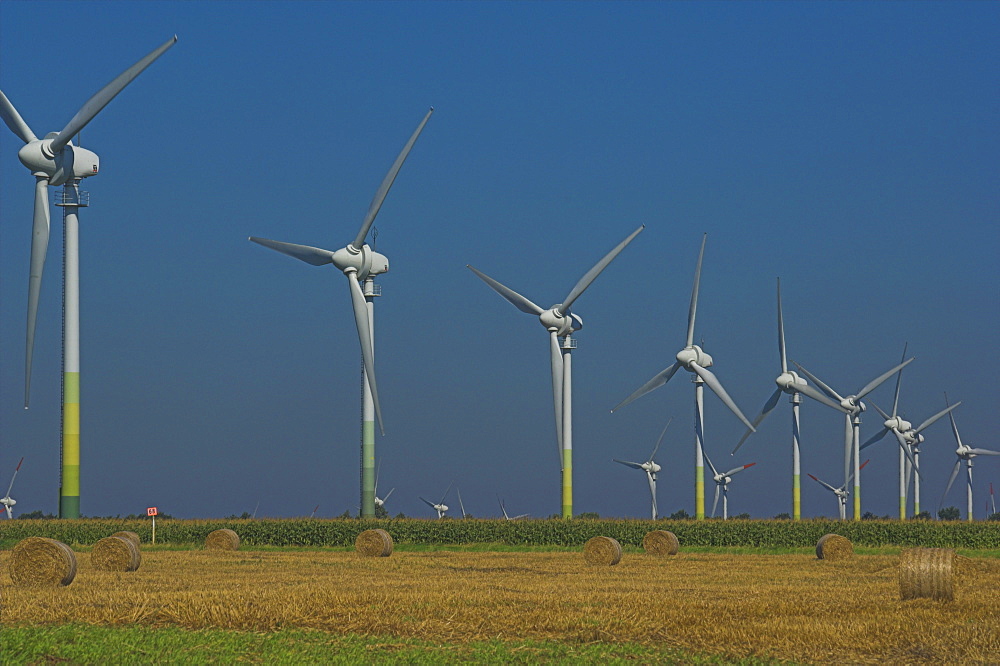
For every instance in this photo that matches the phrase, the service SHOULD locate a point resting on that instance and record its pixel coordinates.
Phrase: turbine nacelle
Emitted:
(902, 426)
(652, 468)
(853, 404)
(693, 354)
(69, 163)
(788, 381)
(562, 324)
(366, 261)
(8, 502)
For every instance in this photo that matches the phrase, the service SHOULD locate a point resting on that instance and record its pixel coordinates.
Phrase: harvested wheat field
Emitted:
(785, 607)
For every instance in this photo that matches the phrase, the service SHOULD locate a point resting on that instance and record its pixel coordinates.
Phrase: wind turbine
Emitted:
(561, 322)
(853, 406)
(315, 509)
(8, 501)
(54, 160)
(842, 492)
(909, 439)
(694, 359)
(360, 264)
(460, 505)
(649, 467)
(993, 499)
(722, 481)
(789, 382)
(966, 453)
(504, 510)
(440, 507)
(380, 501)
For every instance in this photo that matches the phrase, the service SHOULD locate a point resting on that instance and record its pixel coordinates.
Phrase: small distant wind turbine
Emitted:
(504, 510)
(460, 504)
(966, 453)
(649, 467)
(909, 439)
(852, 424)
(360, 264)
(440, 507)
(54, 160)
(9, 502)
(315, 509)
(842, 492)
(993, 500)
(694, 359)
(561, 323)
(789, 382)
(722, 481)
(380, 501)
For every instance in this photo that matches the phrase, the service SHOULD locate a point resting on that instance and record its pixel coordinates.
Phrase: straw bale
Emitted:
(926, 573)
(661, 542)
(41, 561)
(223, 539)
(373, 543)
(834, 547)
(131, 536)
(602, 551)
(115, 553)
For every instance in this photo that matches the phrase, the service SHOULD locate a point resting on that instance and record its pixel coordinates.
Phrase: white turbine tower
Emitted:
(561, 322)
(909, 439)
(853, 406)
(54, 160)
(842, 492)
(722, 481)
(360, 264)
(7, 501)
(649, 467)
(504, 510)
(694, 359)
(789, 382)
(966, 453)
(440, 507)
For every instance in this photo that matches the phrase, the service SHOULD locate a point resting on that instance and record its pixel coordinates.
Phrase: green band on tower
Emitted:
(368, 469)
(699, 493)
(796, 498)
(567, 483)
(69, 492)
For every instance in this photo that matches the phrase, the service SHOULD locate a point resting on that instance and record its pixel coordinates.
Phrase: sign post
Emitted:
(151, 511)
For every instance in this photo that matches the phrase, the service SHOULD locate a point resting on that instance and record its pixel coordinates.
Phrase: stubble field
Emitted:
(781, 607)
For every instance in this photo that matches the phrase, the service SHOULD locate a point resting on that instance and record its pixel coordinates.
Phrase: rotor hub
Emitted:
(562, 324)
(365, 261)
(71, 162)
(693, 354)
(787, 381)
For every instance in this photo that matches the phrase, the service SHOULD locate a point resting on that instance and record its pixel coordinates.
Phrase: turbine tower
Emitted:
(649, 467)
(360, 264)
(842, 492)
(722, 481)
(54, 160)
(909, 439)
(789, 382)
(8, 502)
(694, 359)
(966, 453)
(561, 322)
(853, 406)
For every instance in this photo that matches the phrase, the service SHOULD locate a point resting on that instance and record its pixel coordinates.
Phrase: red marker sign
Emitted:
(151, 511)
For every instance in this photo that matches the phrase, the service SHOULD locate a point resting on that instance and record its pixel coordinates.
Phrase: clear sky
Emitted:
(849, 148)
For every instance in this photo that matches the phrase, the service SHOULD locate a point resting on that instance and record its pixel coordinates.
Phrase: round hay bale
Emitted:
(131, 536)
(926, 573)
(834, 547)
(602, 551)
(661, 542)
(41, 561)
(115, 553)
(373, 543)
(223, 539)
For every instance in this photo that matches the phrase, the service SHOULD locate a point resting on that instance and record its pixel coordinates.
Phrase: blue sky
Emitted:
(849, 148)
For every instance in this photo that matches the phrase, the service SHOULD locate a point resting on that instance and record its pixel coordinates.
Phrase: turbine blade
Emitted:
(881, 412)
(716, 502)
(874, 438)
(739, 469)
(984, 452)
(807, 390)
(514, 298)
(14, 120)
(461, 505)
(899, 379)
(830, 393)
(39, 248)
(16, 470)
(430, 504)
(387, 495)
(954, 426)
(873, 384)
(383, 189)
(556, 361)
(660, 440)
(954, 473)
(592, 274)
(937, 416)
(709, 461)
(306, 253)
(693, 310)
(654, 383)
(365, 338)
(781, 334)
(906, 451)
(105, 95)
(822, 483)
(627, 463)
(445, 496)
(716, 386)
(771, 403)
